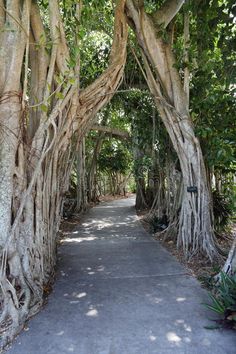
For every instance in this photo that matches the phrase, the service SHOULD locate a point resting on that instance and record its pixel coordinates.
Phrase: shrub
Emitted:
(222, 210)
(158, 224)
(223, 301)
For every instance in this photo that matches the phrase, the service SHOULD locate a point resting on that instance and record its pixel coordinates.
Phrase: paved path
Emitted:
(119, 292)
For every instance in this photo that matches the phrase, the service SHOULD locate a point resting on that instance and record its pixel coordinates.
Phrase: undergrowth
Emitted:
(223, 301)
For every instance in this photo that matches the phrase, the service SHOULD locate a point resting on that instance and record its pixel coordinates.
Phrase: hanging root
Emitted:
(195, 235)
(229, 267)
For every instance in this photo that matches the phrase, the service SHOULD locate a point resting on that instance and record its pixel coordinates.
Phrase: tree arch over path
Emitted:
(44, 116)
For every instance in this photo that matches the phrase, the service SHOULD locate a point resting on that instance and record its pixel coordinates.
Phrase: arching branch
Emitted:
(113, 131)
(100, 92)
(167, 12)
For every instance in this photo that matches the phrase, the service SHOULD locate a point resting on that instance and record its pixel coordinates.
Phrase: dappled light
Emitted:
(79, 240)
(60, 333)
(71, 349)
(130, 292)
(79, 296)
(173, 338)
(184, 325)
(92, 313)
(114, 278)
(118, 284)
(180, 299)
(108, 108)
(152, 338)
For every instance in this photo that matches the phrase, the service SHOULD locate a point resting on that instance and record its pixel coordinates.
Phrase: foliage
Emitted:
(222, 210)
(132, 188)
(213, 105)
(94, 56)
(212, 55)
(157, 223)
(114, 157)
(89, 37)
(213, 85)
(223, 300)
(95, 38)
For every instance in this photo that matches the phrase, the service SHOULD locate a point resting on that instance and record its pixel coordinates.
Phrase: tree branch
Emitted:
(113, 131)
(96, 95)
(58, 35)
(2, 13)
(167, 12)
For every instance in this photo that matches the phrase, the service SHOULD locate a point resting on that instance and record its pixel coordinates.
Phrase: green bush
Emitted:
(222, 210)
(223, 300)
(158, 224)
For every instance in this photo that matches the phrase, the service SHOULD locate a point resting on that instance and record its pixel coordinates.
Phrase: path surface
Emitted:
(119, 292)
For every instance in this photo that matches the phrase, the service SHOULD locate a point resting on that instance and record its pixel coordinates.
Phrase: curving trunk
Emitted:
(38, 136)
(195, 232)
(230, 263)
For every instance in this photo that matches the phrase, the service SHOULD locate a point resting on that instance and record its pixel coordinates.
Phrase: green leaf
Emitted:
(44, 108)
(59, 95)
(72, 81)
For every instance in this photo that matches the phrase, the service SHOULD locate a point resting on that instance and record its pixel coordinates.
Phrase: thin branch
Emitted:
(48, 97)
(113, 131)
(139, 64)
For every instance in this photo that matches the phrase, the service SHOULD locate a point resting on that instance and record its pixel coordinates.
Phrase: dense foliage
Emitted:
(61, 62)
(223, 301)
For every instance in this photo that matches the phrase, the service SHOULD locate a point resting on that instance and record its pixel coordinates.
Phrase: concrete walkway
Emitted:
(119, 292)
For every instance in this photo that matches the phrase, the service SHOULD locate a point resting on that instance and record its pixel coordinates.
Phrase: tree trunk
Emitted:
(195, 225)
(140, 202)
(93, 168)
(81, 200)
(230, 263)
(36, 151)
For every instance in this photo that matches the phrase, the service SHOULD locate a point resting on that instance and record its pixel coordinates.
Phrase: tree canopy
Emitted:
(101, 91)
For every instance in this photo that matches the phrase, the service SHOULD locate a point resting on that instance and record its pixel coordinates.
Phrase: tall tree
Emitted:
(153, 32)
(44, 114)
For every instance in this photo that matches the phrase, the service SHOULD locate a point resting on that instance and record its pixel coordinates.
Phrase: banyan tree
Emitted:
(44, 116)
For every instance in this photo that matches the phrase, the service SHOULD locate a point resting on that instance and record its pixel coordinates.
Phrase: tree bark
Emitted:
(113, 131)
(229, 267)
(93, 168)
(195, 225)
(36, 151)
(81, 203)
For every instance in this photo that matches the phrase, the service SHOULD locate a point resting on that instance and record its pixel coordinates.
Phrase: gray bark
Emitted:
(36, 151)
(195, 224)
